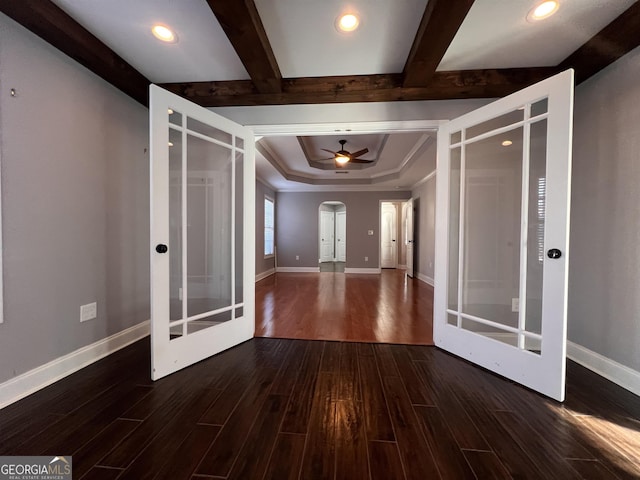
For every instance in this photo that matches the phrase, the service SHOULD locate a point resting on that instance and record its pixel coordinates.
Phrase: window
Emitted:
(269, 227)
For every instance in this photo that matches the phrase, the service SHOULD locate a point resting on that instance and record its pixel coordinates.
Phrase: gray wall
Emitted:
(263, 264)
(604, 266)
(75, 208)
(297, 221)
(425, 227)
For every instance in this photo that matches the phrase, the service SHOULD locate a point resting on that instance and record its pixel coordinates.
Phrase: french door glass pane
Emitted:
(209, 180)
(175, 223)
(536, 219)
(495, 123)
(454, 222)
(491, 240)
(239, 231)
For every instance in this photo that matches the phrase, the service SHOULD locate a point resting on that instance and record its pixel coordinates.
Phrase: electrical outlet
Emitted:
(515, 304)
(88, 311)
(297, 257)
(366, 259)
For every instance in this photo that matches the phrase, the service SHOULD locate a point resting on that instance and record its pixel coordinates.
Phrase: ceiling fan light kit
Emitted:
(342, 156)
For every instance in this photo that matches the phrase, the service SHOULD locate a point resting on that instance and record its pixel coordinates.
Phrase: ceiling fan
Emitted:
(342, 156)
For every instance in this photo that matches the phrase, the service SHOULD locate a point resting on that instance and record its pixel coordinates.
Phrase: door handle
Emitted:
(161, 248)
(554, 253)
(393, 240)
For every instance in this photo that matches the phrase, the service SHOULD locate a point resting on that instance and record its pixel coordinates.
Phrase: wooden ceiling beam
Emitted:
(363, 88)
(53, 25)
(612, 42)
(439, 25)
(242, 24)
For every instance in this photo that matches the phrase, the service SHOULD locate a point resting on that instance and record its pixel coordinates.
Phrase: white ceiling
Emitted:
(495, 34)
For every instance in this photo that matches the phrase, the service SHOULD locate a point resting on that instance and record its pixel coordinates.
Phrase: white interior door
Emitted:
(388, 233)
(341, 236)
(202, 233)
(327, 226)
(408, 222)
(503, 191)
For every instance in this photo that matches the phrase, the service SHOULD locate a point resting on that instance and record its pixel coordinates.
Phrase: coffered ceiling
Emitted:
(274, 52)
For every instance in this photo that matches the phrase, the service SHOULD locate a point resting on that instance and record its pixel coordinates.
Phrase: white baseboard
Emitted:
(298, 269)
(619, 374)
(401, 267)
(263, 275)
(363, 270)
(426, 279)
(29, 382)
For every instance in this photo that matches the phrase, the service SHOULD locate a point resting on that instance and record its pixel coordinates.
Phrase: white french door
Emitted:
(202, 233)
(502, 235)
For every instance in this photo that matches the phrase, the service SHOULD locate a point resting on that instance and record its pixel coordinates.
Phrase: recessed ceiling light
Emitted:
(164, 33)
(543, 10)
(347, 22)
(506, 143)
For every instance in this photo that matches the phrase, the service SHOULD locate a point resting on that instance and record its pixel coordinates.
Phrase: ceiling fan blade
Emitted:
(330, 151)
(360, 160)
(359, 153)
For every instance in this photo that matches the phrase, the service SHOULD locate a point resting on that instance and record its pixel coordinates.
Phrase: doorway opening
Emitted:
(332, 236)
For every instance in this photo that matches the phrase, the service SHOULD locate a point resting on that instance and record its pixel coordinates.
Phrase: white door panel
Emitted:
(388, 233)
(341, 236)
(327, 220)
(202, 204)
(503, 190)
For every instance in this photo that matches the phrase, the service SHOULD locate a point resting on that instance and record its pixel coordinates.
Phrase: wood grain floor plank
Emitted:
(296, 418)
(463, 428)
(288, 374)
(486, 465)
(253, 459)
(89, 454)
(449, 459)
(71, 428)
(592, 469)
(286, 458)
(385, 461)
(124, 453)
(419, 392)
(226, 447)
(384, 359)
(611, 451)
(543, 454)
(352, 461)
(152, 460)
(101, 473)
(331, 357)
(416, 456)
(12, 437)
(183, 461)
(349, 388)
(319, 457)
(377, 417)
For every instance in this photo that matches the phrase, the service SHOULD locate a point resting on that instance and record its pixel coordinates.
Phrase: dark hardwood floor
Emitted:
(294, 409)
(385, 308)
